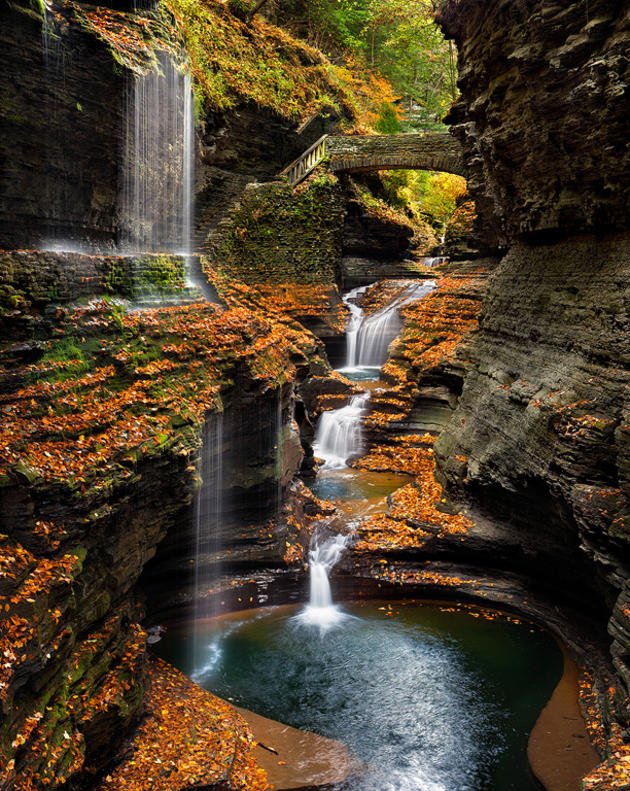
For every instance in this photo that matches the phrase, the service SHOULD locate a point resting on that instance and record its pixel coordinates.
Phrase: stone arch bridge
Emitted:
(437, 151)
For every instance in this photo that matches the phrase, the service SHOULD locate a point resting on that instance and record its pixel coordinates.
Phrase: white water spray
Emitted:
(368, 337)
(374, 333)
(157, 189)
(207, 520)
(320, 610)
(339, 434)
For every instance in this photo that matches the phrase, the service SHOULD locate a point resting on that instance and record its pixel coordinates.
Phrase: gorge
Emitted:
(216, 382)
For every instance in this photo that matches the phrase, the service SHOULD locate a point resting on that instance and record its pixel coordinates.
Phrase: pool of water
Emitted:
(361, 373)
(430, 698)
(357, 492)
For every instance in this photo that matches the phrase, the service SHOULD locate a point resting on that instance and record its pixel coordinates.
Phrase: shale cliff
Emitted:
(539, 439)
(105, 408)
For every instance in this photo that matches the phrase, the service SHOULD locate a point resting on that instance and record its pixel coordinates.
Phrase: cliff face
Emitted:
(102, 422)
(543, 113)
(59, 171)
(539, 439)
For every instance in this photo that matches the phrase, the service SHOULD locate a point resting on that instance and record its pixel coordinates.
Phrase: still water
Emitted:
(430, 698)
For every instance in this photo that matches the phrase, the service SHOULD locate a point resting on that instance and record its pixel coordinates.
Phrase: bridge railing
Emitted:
(299, 169)
(437, 151)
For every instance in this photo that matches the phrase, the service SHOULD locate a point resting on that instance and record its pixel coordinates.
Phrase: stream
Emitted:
(427, 697)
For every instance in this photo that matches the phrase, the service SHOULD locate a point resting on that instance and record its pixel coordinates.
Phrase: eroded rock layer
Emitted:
(543, 112)
(539, 438)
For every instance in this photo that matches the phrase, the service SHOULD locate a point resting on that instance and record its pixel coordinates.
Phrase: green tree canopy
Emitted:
(397, 39)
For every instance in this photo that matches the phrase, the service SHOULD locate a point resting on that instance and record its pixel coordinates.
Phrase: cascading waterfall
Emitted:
(208, 511)
(320, 610)
(368, 337)
(354, 324)
(432, 261)
(55, 178)
(157, 189)
(339, 434)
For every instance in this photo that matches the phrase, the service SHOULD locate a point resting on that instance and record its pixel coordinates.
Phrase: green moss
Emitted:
(36, 9)
(278, 235)
(151, 275)
(12, 299)
(234, 59)
(160, 273)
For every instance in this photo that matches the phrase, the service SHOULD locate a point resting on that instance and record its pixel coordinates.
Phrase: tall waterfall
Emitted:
(208, 510)
(368, 337)
(339, 433)
(157, 188)
(320, 610)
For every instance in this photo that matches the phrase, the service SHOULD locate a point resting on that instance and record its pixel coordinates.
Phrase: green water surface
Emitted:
(429, 698)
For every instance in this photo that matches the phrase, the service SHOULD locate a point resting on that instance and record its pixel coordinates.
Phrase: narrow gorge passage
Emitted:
(314, 415)
(475, 680)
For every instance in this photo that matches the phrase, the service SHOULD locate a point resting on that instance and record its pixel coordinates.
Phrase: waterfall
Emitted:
(339, 433)
(354, 324)
(435, 260)
(368, 337)
(320, 610)
(208, 509)
(58, 147)
(157, 188)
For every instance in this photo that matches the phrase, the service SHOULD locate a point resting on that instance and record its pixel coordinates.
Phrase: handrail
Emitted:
(300, 168)
(437, 151)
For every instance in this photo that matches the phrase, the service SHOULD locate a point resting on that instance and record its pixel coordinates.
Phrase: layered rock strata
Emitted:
(539, 440)
(100, 445)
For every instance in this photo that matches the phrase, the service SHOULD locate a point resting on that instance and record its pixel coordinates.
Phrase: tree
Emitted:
(397, 39)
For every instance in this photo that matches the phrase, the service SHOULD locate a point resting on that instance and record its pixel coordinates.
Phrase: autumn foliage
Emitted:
(112, 391)
(414, 515)
(187, 738)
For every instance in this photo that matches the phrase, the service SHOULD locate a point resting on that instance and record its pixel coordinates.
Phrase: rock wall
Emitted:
(74, 675)
(543, 112)
(254, 461)
(61, 102)
(277, 235)
(539, 439)
(228, 161)
(33, 281)
(100, 448)
(536, 436)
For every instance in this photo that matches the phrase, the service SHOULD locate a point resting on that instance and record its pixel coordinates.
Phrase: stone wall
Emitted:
(277, 235)
(428, 151)
(228, 162)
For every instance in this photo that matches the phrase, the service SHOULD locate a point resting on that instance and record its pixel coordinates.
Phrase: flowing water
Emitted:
(368, 337)
(339, 434)
(429, 698)
(357, 493)
(157, 188)
(320, 610)
(208, 510)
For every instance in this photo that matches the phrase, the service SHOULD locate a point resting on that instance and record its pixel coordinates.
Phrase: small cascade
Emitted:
(354, 324)
(435, 260)
(339, 434)
(157, 188)
(368, 337)
(320, 610)
(208, 510)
